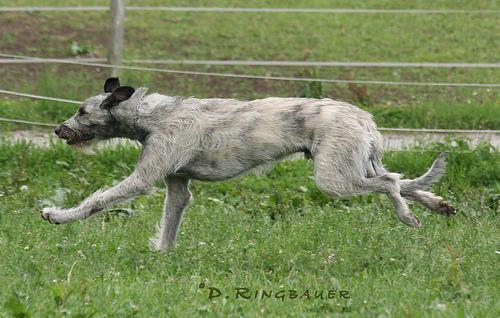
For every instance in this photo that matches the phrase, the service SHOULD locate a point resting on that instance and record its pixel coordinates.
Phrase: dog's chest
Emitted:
(217, 166)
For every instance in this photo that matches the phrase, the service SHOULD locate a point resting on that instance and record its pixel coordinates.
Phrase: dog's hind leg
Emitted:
(415, 189)
(342, 172)
(431, 201)
(176, 200)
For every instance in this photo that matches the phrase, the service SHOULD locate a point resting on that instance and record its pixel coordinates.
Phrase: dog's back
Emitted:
(234, 136)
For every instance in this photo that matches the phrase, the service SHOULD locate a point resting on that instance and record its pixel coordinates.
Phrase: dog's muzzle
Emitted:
(71, 136)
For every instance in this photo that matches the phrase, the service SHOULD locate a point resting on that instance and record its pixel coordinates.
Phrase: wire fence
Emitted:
(263, 63)
(27, 122)
(251, 10)
(54, 99)
(254, 77)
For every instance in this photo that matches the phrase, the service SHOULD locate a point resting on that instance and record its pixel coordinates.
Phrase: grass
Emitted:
(274, 232)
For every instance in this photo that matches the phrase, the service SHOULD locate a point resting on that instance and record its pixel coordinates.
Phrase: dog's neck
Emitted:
(133, 116)
(126, 116)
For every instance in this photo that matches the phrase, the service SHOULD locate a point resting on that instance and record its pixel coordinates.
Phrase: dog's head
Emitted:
(96, 118)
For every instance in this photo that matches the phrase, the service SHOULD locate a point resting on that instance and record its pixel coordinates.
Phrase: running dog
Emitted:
(218, 139)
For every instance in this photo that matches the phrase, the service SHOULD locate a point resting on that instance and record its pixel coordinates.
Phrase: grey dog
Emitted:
(218, 139)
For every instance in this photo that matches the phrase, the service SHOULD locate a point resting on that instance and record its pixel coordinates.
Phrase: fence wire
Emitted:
(267, 63)
(255, 77)
(251, 10)
(27, 122)
(54, 99)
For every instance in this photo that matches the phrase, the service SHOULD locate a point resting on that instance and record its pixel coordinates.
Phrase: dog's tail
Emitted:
(424, 182)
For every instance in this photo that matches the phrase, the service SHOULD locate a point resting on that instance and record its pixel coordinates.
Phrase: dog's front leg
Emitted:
(130, 187)
(149, 168)
(176, 200)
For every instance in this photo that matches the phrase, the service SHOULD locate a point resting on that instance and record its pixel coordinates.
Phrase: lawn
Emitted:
(275, 232)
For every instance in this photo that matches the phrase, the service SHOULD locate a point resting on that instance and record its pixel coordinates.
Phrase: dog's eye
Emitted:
(82, 112)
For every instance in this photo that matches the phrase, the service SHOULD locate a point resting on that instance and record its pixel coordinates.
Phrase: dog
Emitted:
(219, 139)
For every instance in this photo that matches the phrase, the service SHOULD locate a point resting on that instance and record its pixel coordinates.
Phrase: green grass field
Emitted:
(273, 232)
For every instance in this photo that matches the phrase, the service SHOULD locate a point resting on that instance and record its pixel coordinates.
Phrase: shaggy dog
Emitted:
(218, 139)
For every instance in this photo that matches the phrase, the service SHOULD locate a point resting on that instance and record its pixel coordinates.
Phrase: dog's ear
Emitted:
(122, 93)
(111, 84)
(119, 94)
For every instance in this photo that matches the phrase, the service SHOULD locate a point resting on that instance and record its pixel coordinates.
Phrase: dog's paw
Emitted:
(446, 208)
(411, 220)
(53, 215)
(415, 222)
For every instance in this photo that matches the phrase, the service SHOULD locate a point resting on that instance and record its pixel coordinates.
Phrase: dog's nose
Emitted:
(57, 131)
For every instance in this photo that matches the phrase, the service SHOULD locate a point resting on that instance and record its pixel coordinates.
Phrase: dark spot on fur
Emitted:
(294, 119)
(246, 132)
(207, 134)
(297, 117)
(95, 209)
(82, 111)
(244, 109)
(307, 153)
(317, 110)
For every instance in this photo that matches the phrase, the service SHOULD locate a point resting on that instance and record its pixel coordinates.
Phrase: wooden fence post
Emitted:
(116, 33)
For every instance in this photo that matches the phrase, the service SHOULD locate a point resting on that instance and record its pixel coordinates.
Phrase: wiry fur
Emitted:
(424, 182)
(217, 139)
